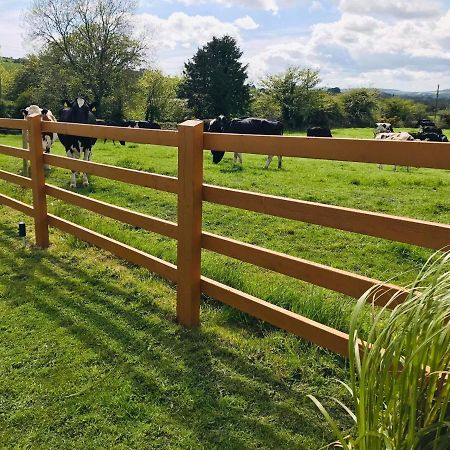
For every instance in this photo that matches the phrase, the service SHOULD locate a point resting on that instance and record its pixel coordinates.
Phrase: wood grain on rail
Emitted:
(130, 176)
(410, 231)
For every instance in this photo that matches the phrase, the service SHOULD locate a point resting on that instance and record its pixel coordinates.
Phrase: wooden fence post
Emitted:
(190, 181)
(25, 171)
(38, 180)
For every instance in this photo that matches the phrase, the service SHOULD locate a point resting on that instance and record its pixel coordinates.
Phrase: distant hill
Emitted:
(443, 93)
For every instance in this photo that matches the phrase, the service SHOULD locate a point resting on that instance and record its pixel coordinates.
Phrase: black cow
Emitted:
(430, 136)
(247, 125)
(425, 123)
(145, 124)
(78, 111)
(318, 132)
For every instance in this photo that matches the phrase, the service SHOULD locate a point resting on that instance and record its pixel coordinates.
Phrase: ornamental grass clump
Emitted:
(399, 375)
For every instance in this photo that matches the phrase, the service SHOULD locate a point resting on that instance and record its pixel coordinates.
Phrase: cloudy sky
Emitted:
(399, 44)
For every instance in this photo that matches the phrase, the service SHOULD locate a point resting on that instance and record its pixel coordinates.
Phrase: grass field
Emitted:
(90, 355)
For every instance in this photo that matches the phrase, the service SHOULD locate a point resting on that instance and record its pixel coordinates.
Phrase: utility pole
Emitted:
(436, 105)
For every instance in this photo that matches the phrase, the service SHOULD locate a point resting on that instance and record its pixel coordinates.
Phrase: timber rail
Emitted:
(191, 191)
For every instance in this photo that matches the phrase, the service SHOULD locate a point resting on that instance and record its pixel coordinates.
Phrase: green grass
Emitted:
(91, 356)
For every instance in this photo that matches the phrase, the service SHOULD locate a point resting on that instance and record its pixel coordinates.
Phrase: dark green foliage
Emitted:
(360, 107)
(401, 112)
(215, 80)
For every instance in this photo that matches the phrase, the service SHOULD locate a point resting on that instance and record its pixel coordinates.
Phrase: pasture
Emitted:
(89, 349)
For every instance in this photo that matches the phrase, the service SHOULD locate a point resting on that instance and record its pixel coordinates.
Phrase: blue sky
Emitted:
(400, 44)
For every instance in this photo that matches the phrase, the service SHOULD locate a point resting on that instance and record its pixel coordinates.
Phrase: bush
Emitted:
(399, 377)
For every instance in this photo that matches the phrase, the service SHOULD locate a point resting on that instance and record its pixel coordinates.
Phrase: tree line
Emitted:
(88, 48)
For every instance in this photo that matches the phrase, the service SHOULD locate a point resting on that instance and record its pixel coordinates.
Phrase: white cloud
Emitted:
(246, 23)
(273, 6)
(364, 49)
(185, 30)
(389, 9)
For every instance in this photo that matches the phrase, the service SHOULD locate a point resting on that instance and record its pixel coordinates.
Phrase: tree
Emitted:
(160, 92)
(360, 106)
(90, 39)
(402, 112)
(215, 80)
(294, 92)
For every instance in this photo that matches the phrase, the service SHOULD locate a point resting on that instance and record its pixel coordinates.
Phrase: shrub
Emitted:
(398, 376)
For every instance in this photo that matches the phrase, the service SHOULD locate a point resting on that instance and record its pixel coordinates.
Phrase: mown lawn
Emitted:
(91, 356)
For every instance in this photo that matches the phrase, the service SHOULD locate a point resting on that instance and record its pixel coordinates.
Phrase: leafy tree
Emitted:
(215, 80)
(91, 40)
(263, 104)
(402, 112)
(359, 106)
(295, 94)
(160, 94)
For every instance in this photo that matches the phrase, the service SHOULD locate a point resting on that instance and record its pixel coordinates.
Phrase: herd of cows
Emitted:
(81, 112)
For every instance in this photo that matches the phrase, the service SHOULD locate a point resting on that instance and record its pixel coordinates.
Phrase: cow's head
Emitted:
(78, 111)
(218, 125)
(33, 110)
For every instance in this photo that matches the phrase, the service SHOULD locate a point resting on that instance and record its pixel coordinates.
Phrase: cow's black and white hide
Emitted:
(143, 124)
(430, 136)
(78, 111)
(425, 123)
(402, 136)
(247, 125)
(46, 116)
(382, 127)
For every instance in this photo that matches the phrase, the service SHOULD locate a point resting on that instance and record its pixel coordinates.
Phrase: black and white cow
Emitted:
(382, 127)
(46, 116)
(78, 111)
(247, 125)
(401, 136)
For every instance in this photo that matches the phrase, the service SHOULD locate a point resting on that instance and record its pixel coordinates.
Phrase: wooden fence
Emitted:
(191, 142)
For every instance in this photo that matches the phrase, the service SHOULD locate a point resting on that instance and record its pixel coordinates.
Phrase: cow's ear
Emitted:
(24, 112)
(44, 112)
(66, 103)
(93, 107)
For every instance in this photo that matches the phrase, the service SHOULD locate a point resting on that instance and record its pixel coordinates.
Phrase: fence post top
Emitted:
(33, 116)
(191, 123)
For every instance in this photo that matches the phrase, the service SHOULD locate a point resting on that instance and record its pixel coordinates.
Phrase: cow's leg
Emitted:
(239, 156)
(268, 161)
(380, 166)
(395, 168)
(73, 153)
(280, 159)
(87, 157)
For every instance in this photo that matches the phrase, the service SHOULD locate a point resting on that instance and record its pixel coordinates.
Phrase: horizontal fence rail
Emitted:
(16, 204)
(408, 153)
(137, 135)
(410, 231)
(191, 141)
(140, 258)
(16, 179)
(14, 151)
(316, 332)
(334, 279)
(14, 124)
(124, 215)
(129, 176)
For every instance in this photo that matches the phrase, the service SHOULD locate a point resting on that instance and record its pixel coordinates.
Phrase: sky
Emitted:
(397, 44)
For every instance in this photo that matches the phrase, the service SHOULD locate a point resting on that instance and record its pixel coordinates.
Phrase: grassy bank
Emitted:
(90, 353)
